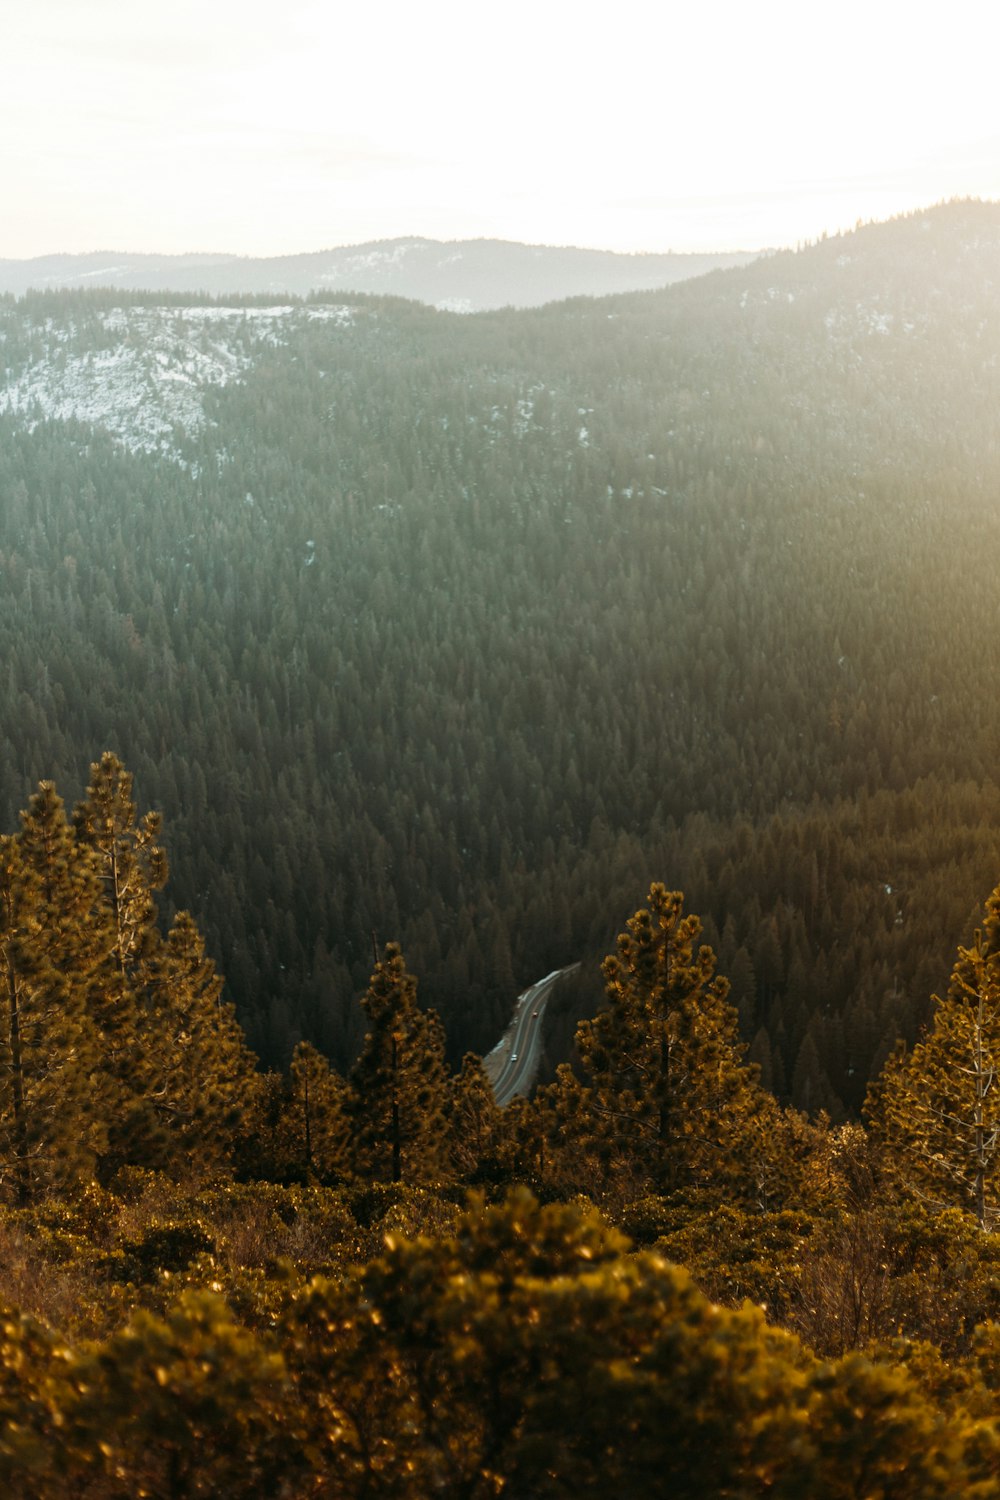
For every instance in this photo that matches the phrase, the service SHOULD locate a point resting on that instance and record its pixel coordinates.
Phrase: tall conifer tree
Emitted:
(662, 1085)
(180, 1074)
(51, 1105)
(132, 866)
(398, 1083)
(200, 1075)
(475, 1121)
(937, 1109)
(313, 1131)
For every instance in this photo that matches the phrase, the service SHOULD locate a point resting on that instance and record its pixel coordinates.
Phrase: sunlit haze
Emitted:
(263, 128)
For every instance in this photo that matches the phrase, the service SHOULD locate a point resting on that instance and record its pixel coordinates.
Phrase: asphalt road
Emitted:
(512, 1065)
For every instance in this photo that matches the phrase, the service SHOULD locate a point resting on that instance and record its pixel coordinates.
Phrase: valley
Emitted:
(460, 630)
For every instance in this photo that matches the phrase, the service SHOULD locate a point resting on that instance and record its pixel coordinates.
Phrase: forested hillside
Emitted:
(460, 630)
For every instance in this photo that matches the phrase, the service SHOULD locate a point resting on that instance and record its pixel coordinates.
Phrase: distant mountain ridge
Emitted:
(457, 275)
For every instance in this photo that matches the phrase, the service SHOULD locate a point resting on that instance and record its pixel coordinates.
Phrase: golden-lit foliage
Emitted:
(527, 1349)
(247, 1284)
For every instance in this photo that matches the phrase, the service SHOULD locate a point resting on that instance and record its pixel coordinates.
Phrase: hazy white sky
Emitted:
(264, 128)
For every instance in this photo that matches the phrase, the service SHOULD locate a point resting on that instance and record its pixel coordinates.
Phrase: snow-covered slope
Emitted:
(139, 373)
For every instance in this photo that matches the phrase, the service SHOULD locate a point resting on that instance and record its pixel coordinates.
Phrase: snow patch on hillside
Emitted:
(378, 259)
(142, 373)
(864, 321)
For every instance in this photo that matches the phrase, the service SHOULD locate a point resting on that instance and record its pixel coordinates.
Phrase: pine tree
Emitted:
(132, 863)
(200, 1076)
(179, 1076)
(662, 1086)
(131, 867)
(475, 1121)
(398, 1084)
(313, 1129)
(937, 1109)
(68, 878)
(51, 1124)
(77, 944)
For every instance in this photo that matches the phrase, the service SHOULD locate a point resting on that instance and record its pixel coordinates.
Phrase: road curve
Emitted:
(513, 1064)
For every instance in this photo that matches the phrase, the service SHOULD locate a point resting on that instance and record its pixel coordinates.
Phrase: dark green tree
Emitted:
(662, 1090)
(179, 1077)
(312, 1134)
(475, 1121)
(132, 864)
(51, 1120)
(398, 1084)
(201, 1079)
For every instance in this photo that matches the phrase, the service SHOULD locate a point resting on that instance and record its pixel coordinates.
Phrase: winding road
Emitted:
(512, 1065)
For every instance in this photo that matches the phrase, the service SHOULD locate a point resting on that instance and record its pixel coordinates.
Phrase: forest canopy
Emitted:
(463, 630)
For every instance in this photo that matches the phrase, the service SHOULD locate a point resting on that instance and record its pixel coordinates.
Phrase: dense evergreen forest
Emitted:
(385, 658)
(459, 631)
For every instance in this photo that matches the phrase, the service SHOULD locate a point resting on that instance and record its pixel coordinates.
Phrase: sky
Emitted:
(268, 127)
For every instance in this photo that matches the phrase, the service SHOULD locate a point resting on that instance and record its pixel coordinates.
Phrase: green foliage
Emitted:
(314, 1127)
(165, 1247)
(527, 1353)
(50, 1133)
(34, 1392)
(901, 1447)
(202, 1079)
(397, 648)
(397, 1086)
(523, 671)
(936, 1108)
(663, 1095)
(475, 1123)
(733, 1254)
(510, 1349)
(132, 865)
(116, 1046)
(189, 1404)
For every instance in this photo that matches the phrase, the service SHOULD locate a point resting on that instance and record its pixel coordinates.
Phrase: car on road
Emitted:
(513, 1057)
